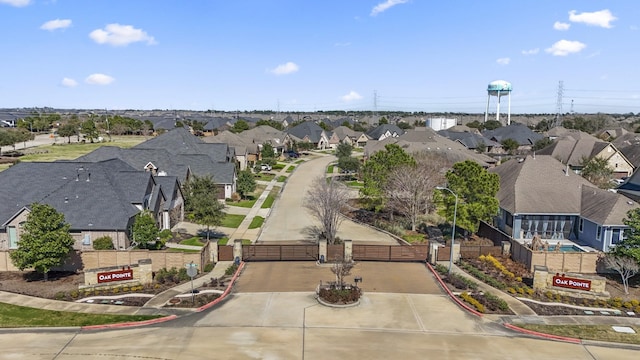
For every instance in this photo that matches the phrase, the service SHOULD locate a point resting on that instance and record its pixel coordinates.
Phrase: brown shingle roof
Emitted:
(605, 207)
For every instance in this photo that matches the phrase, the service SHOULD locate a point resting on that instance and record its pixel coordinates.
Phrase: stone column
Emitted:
(348, 250)
(213, 251)
(237, 249)
(456, 252)
(322, 250)
(506, 248)
(540, 277)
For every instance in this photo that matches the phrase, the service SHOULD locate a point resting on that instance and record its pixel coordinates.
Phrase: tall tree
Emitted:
(343, 149)
(67, 130)
(145, 231)
(240, 126)
(201, 202)
(492, 124)
(409, 187)
(45, 241)
(597, 171)
(510, 145)
(476, 189)
(626, 267)
(90, 130)
(376, 170)
(349, 164)
(268, 154)
(325, 200)
(630, 246)
(246, 183)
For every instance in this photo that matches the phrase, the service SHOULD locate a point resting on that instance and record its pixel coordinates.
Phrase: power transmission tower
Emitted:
(558, 121)
(375, 102)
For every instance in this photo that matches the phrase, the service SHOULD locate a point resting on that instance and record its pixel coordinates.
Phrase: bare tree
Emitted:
(625, 266)
(341, 268)
(325, 200)
(409, 188)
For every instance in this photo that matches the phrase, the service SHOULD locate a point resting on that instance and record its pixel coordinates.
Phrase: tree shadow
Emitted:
(312, 233)
(213, 234)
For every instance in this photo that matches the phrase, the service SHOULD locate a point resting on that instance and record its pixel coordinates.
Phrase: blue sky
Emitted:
(302, 55)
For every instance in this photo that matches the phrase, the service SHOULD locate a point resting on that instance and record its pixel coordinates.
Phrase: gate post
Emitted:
(348, 250)
(322, 250)
(237, 249)
(213, 251)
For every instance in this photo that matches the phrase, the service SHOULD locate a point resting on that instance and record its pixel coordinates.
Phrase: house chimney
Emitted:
(88, 176)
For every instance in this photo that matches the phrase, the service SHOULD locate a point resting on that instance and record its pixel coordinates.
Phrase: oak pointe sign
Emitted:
(119, 275)
(571, 283)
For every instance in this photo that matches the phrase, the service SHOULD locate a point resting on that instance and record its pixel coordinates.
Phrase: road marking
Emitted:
(415, 312)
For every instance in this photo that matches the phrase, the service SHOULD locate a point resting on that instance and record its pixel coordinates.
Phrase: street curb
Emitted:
(542, 335)
(452, 296)
(225, 293)
(129, 324)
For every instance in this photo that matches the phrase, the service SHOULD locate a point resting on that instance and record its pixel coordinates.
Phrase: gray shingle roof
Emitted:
(604, 207)
(376, 132)
(539, 185)
(307, 129)
(92, 196)
(518, 132)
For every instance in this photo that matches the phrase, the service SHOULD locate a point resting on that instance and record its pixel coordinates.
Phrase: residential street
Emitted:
(289, 221)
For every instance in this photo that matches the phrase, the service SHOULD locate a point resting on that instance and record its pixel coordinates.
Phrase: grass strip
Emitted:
(20, 316)
(586, 332)
(194, 241)
(256, 222)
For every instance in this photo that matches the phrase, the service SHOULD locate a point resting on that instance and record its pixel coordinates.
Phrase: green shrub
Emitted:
(231, 269)
(441, 269)
(208, 267)
(103, 243)
(473, 302)
(494, 300)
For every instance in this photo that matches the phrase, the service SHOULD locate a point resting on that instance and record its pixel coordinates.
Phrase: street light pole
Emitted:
(453, 228)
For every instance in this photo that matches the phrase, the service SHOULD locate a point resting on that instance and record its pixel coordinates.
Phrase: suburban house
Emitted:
(343, 134)
(97, 199)
(631, 187)
(427, 140)
(178, 153)
(602, 213)
(309, 132)
(384, 131)
(471, 140)
(629, 146)
(577, 147)
(265, 134)
(539, 197)
(244, 149)
(524, 136)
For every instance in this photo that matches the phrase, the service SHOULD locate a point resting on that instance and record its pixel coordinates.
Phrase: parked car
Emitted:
(265, 167)
(293, 154)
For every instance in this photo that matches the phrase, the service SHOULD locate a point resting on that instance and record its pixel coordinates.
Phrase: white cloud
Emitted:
(561, 26)
(384, 6)
(16, 3)
(120, 35)
(56, 24)
(99, 79)
(565, 47)
(284, 69)
(67, 82)
(504, 61)
(530, 51)
(602, 18)
(351, 96)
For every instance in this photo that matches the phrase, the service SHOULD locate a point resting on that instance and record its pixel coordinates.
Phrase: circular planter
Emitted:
(322, 302)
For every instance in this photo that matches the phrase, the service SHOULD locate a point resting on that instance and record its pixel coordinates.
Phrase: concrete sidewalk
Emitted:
(152, 307)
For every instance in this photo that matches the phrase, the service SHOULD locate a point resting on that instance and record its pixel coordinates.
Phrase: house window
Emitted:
(13, 237)
(615, 236)
(581, 224)
(598, 232)
(509, 219)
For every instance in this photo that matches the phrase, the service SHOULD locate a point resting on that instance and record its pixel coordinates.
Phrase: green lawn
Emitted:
(64, 151)
(194, 241)
(330, 169)
(587, 332)
(232, 220)
(268, 202)
(278, 166)
(281, 178)
(183, 250)
(299, 161)
(225, 241)
(265, 176)
(256, 222)
(291, 168)
(13, 316)
(355, 183)
(242, 203)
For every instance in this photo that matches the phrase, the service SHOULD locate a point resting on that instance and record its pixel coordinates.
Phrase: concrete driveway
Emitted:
(292, 276)
(289, 221)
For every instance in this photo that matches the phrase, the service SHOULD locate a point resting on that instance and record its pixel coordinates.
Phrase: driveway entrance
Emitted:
(294, 276)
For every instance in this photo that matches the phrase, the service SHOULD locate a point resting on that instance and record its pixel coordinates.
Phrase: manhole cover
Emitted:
(174, 301)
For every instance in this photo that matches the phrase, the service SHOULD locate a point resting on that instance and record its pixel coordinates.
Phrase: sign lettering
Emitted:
(572, 283)
(119, 275)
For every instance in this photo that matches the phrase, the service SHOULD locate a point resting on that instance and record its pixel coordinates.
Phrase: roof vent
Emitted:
(66, 199)
(520, 160)
(629, 202)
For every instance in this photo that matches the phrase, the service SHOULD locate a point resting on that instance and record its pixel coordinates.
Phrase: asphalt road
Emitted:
(289, 221)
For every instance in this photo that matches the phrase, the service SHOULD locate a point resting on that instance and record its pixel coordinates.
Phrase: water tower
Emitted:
(498, 88)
